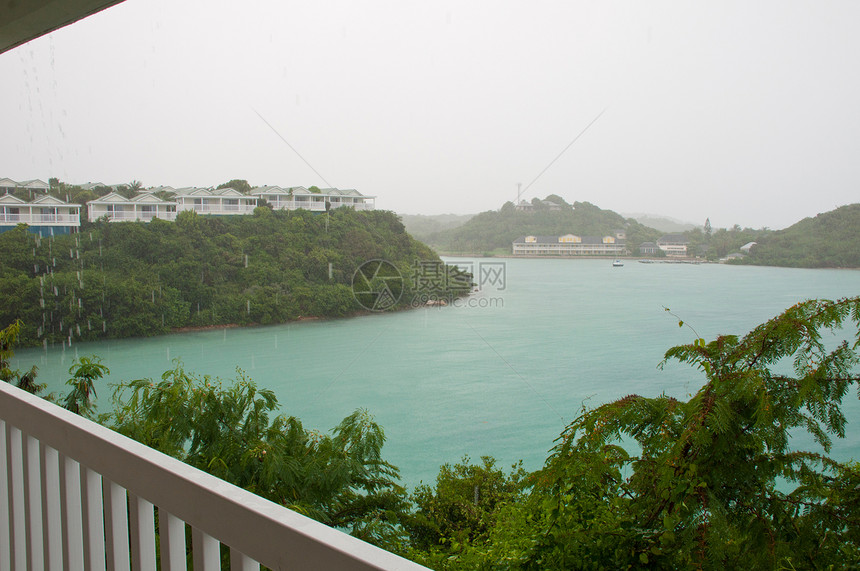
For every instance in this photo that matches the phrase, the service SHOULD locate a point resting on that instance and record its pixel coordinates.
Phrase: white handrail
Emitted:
(253, 527)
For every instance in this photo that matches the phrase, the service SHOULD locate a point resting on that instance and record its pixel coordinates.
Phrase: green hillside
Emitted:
(422, 226)
(494, 231)
(830, 240)
(134, 279)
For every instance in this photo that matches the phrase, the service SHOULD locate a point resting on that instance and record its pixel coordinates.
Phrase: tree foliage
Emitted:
(135, 279)
(23, 380)
(235, 431)
(829, 240)
(239, 184)
(460, 511)
(81, 398)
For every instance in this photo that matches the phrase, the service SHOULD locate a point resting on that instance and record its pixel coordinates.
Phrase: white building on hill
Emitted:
(46, 215)
(144, 206)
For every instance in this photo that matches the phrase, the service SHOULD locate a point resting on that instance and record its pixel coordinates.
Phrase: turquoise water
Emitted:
(500, 374)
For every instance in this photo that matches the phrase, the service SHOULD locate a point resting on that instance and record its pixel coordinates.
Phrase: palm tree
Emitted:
(84, 371)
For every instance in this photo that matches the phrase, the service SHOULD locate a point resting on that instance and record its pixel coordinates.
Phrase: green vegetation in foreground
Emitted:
(830, 240)
(711, 482)
(494, 230)
(134, 279)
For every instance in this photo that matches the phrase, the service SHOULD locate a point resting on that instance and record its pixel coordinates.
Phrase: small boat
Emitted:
(617, 264)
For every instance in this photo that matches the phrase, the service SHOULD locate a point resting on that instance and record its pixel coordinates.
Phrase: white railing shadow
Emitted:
(76, 495)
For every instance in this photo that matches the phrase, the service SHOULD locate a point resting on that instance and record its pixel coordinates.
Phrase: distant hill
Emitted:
(662, 223)
(830, 240)
(422, 226)
(494, 231)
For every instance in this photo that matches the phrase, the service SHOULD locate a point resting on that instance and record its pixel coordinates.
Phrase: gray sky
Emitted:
(744, 112)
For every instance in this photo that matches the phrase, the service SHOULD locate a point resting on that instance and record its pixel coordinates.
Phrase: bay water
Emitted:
(499, 373)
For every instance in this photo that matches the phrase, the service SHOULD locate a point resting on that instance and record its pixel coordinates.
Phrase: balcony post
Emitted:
(116, 527)
(73, 536)
(172, 540)
(5, 495)
(206, 550)
(95, 551)
(142, 534)
(16, 498)
(241, 562)
(32, 475)
(51, 511)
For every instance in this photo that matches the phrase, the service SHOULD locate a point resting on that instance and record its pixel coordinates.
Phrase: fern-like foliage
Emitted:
(235, 431)
(716, 482)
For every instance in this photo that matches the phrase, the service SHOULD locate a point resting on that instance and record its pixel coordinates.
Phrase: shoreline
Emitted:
(558, 257)
(193, 328)
(693, 261)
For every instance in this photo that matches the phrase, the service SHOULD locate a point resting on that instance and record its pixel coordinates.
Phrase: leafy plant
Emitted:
(25, 380)
(85, 371)
(716, 482)
(234, 431)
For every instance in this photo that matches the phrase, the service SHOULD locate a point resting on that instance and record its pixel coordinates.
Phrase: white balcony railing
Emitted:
(317, 206)
(39, 219)
(131, 216)
(76, 495)
(216, 209)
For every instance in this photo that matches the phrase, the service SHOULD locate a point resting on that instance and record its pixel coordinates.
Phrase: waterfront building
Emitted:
(569, 245)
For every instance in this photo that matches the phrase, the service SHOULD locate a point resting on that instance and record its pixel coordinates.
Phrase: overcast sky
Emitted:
(744, 112)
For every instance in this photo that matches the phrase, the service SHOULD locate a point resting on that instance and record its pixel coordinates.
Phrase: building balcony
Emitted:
(38, 219)
(76, 495)
(317, 206)
(218, 209)
(130, 216)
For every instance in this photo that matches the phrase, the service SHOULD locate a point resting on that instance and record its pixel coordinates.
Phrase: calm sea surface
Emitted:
(499, 374)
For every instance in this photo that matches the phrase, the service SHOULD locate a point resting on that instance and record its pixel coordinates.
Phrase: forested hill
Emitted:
(830, 240)
(135, 279)
(494, 231)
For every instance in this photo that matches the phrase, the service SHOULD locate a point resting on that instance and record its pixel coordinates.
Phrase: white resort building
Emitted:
(117, 208)
(297, 197)
(569, 245)
(220, 202)
(675, 245)
(48, 215)
(45, 215)
(7, 185)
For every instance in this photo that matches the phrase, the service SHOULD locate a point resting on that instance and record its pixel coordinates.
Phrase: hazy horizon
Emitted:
(744, 113)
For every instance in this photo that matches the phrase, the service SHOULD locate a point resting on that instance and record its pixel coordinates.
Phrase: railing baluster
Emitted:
(51, 511)
(5, 510)
(92, 486)
(241, 562)
(16, 498)
(207, 551)
(116, 527)
(32, 473)
(171, 540)
(73, 536)
(142, 534)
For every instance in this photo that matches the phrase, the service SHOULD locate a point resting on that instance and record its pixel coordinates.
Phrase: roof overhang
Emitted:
(24, 20)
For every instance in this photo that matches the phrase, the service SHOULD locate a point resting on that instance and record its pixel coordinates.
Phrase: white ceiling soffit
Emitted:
(24, 20)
